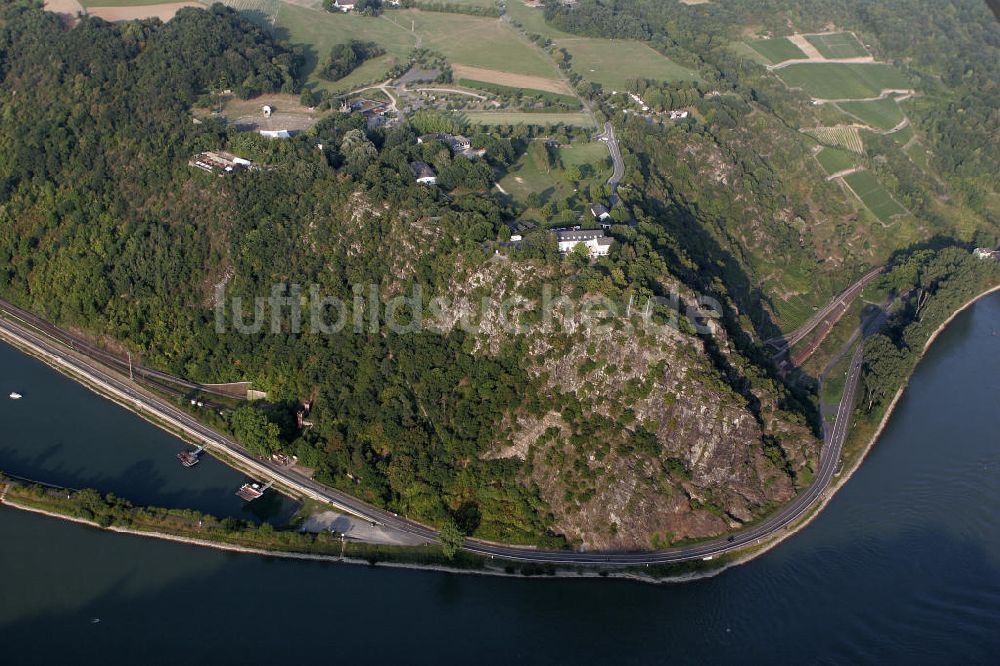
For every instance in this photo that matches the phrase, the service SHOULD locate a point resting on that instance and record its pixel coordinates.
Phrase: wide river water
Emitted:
(903, 565)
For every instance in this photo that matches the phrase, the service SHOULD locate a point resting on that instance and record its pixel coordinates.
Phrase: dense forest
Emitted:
(507, 435)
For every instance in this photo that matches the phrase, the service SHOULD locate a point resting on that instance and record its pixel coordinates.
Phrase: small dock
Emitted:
(250, 491)
(190, 458)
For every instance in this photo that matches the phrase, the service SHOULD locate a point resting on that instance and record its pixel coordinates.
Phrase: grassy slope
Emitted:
(880, 113)
(843, 80)
(533, 20)
(874, 196)
(613, 63)
(777, 50)
(837, 45)
(833, 160)
(527, 175)
(467, 40)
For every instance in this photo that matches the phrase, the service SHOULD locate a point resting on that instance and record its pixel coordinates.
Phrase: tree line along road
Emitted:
(128, 394)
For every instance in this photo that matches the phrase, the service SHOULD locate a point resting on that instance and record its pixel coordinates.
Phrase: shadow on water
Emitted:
(63, 434)
(146, 594)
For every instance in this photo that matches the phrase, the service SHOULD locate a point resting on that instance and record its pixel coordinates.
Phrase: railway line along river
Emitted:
(903, 564)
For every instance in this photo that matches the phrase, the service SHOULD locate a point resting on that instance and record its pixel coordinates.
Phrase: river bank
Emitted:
(706, 568)
(42, 502)
(856, 458)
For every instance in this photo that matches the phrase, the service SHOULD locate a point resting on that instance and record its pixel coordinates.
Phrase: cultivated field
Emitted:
(527, 175)
(135, 11)
(777, 50)
(844, 80)
(837, 45)
(511, 80)
(875, 197)
(834, 160)
(880, 113)
(120, 3)
(68, 7)
(612, 63)
(844, 137)
(517, 118)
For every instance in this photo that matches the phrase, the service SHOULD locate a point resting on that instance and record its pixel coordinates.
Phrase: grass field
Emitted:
(837, 45)
(881, 113)
(469, 3)
(843, 80)
(875, 197)
(533, 20)
(834, 159)
(572, 101)
(468, 40)
(614, 63)
(844, 137)
(516, 118)
(527, 176)
(777, 50)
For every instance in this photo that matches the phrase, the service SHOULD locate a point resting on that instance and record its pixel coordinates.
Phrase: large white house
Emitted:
(596, 242)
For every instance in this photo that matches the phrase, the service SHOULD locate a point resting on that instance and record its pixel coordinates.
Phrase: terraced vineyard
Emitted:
(843, 137)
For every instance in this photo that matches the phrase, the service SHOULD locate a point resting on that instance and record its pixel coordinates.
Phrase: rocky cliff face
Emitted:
(645, 444)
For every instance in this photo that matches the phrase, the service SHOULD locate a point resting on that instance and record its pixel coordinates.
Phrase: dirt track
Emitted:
(69, 8)
(508, 79)
(164, 12)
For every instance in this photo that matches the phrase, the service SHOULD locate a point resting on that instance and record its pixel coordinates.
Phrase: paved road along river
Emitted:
(904, 564)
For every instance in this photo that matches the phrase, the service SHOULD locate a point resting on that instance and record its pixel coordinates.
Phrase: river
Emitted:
(903, 565)
(65, 434)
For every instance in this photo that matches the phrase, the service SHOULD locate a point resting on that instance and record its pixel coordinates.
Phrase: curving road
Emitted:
(126, 392)
(608, 137)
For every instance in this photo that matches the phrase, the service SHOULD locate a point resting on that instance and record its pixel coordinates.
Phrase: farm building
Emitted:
(423, 173)
(275, 134)
(983, 253)
(219, 162)
(597, 244)
(344, 5)
(600, 212)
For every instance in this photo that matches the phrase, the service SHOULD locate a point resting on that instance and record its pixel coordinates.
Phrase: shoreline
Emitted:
(841, 478)
(846, 474)
(581, 573)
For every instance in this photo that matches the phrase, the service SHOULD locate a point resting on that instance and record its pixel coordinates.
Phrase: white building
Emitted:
(344, 5)
(275, 134)
(423, 173)
(983, 253)
(597, 244)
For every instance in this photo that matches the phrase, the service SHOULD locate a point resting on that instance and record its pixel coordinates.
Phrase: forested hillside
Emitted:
(742, 180)
(511, 434)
